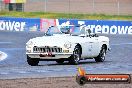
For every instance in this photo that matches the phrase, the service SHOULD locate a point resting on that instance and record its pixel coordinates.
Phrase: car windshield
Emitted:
(74, 30)
(53, 30)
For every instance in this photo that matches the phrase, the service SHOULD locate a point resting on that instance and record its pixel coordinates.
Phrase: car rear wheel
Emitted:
(75, 58)
(32, 61)
(60, 61)
(101, 56)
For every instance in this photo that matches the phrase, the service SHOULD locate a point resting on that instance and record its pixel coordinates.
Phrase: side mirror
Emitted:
(89, 31)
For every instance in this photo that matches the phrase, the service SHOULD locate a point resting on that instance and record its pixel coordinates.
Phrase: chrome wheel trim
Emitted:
(77, 55)
(103, 53)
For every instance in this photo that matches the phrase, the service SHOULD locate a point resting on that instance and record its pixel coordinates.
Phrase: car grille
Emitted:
(47, 49)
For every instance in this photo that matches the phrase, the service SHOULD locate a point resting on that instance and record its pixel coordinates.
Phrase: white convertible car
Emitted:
(64, 44)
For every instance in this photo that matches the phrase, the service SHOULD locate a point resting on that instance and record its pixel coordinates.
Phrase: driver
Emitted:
(65, 30)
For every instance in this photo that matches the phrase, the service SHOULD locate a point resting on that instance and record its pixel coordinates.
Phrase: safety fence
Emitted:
(37, 24)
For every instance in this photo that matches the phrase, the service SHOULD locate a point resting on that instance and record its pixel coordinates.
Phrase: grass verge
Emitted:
(64, 15)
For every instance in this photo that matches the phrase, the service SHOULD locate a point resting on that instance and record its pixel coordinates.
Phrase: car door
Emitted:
(95, 48)
(90, 48)
(87, 48)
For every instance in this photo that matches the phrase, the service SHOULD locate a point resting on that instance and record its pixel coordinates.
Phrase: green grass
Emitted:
(64, 15)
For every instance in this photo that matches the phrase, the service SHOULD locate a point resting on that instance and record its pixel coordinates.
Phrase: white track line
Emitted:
(2, 56)
(5, 42)
(122, 44)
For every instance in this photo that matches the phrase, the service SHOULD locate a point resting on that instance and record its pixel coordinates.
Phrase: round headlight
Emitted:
(29, 43)
(67, 45)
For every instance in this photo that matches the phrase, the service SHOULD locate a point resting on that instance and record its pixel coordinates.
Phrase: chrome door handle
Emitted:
(91, 42)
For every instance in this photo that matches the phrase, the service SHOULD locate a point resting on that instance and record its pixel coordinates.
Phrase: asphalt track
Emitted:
(118, 60)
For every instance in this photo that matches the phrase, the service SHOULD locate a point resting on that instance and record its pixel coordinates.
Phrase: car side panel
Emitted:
(90, 48)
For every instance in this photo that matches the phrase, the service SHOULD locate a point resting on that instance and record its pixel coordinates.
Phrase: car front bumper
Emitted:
(49, 56)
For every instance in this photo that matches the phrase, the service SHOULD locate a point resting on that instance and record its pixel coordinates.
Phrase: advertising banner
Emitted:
(36, 24)
(14, 1)
(19, 24)
(101, 26)
(6, 1)
(46, 23)
(20, 1)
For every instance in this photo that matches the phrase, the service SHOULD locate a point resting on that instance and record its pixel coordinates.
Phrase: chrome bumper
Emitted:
(48, 55)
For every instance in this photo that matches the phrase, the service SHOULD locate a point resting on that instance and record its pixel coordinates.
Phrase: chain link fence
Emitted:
(112, 7)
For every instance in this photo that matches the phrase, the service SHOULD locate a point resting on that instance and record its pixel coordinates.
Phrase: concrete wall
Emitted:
(114, 7)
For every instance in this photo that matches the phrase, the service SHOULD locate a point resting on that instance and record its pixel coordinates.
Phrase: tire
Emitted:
(32, 61)
(75, 58)
(101, 56)
(60, 61)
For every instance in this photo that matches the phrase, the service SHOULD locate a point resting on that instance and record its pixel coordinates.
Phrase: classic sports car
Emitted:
(67, 44)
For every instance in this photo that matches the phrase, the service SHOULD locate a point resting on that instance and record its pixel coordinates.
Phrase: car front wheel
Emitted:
(32, 61)
(75, 58)
(101, 56)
